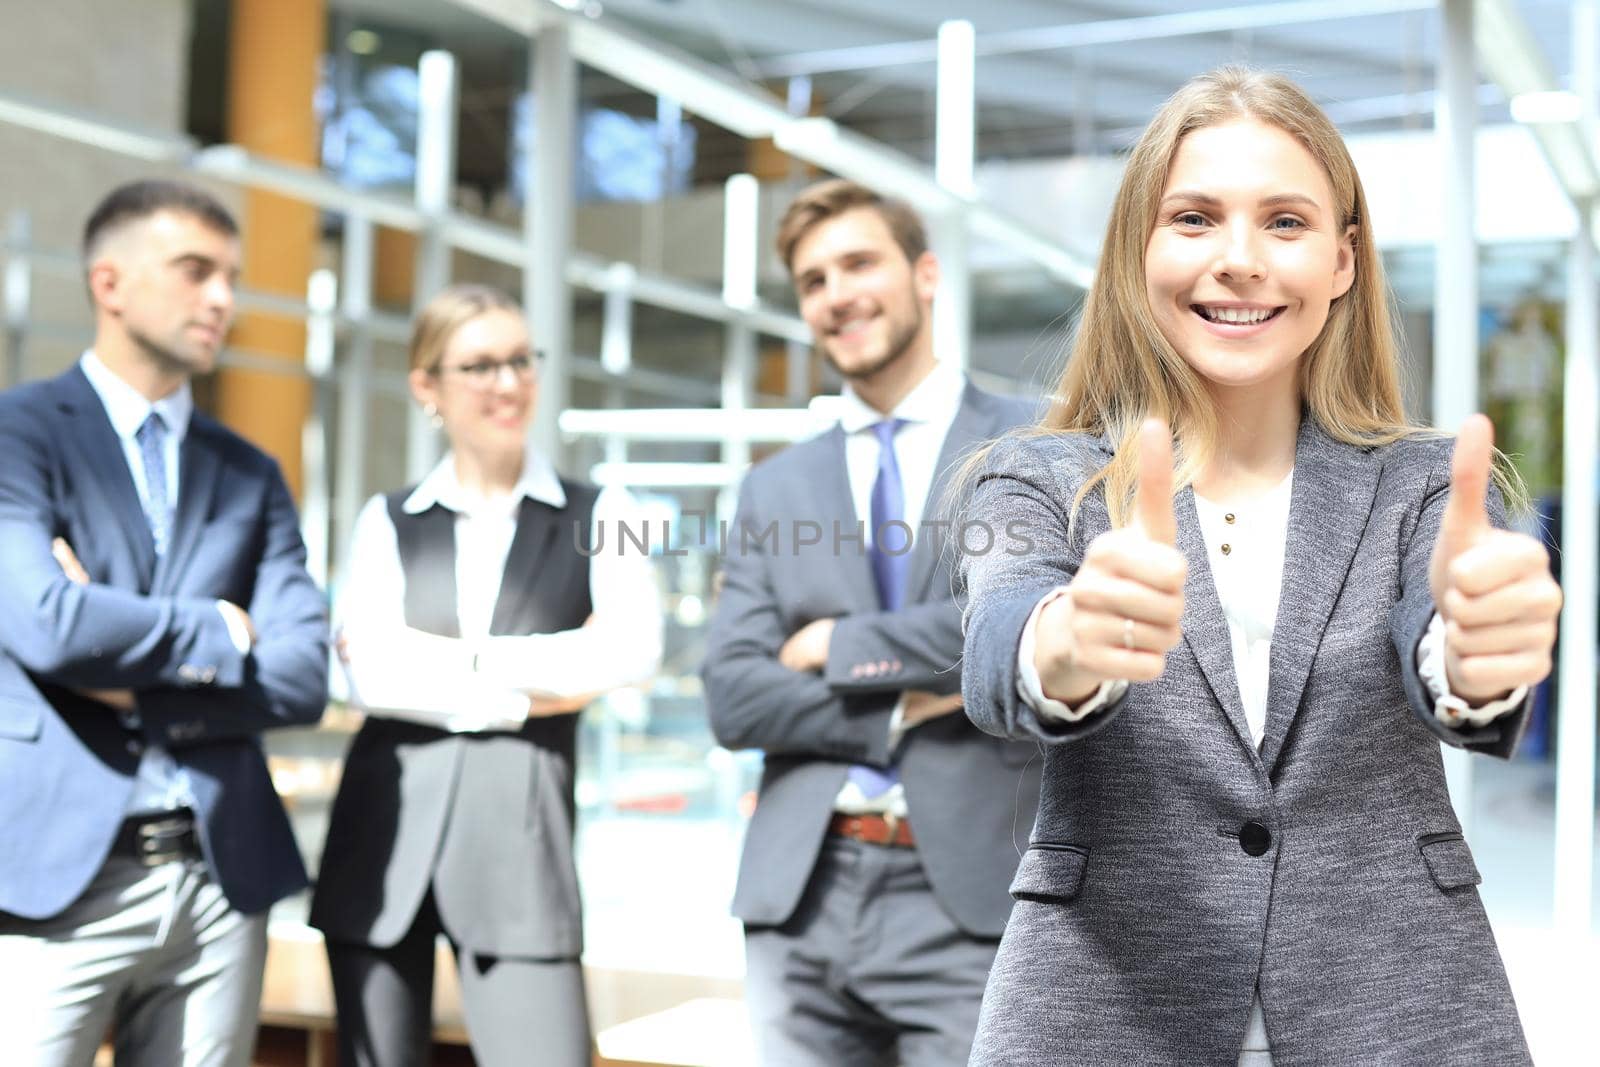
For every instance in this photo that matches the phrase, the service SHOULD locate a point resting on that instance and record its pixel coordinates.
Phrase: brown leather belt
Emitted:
(884, 830)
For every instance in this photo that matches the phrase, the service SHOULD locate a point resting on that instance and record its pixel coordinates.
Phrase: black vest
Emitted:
(485, 819)
(545, 588)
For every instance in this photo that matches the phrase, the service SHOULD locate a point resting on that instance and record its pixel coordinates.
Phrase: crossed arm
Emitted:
(174, 655)
(793, 691)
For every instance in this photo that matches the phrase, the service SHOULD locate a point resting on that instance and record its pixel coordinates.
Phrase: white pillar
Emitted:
(740, 251)
(1575, 731)
(355, 374)
(322, 301)
(18, 293)
(954, 146)
(547, 222)
(616, 348)
(438, 88)
(1455, 304)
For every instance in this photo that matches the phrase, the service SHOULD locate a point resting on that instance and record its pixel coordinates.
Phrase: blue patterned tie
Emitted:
(889, 506)
(889, 568)
(152, 437)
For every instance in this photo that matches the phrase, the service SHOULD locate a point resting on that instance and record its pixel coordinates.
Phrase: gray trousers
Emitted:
(868, 971)
(519, 1011)
(154, 952)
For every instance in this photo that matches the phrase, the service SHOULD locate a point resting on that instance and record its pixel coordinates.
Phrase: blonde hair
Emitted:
(453, 308)
(1121, 369)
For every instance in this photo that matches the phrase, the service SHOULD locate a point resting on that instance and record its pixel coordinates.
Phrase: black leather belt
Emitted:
(161, 837)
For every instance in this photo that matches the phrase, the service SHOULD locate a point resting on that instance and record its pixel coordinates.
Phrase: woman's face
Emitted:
(486, 384)
(1246, 256)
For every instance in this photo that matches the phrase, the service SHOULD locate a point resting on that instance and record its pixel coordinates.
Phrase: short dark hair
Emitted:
(141, 199)
(829, 199)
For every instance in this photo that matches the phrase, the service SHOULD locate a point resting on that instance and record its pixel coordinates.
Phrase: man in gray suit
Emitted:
(873, 884)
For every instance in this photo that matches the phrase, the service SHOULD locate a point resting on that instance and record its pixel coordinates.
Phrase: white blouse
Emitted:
(478, 681)
(1244, 547)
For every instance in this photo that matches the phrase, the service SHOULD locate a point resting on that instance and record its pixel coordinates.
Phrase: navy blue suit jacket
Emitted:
(149, 624)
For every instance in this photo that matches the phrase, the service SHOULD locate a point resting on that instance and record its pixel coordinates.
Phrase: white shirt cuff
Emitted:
(1031, 689)
(1448, 708)
(897, 723)
(238, 632)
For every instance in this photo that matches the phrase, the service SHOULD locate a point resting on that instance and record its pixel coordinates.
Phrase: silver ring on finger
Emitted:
(1127, 634)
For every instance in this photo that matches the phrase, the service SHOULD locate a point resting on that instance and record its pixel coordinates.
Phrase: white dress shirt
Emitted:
(928, 411)
(478, 681)
(159, 784)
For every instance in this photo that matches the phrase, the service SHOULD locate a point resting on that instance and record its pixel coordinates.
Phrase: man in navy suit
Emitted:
(155, 617)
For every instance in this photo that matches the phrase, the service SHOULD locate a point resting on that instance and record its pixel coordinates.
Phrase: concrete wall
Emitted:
(125, 61)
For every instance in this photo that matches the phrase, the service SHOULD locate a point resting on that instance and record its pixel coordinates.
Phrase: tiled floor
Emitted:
(657, 889)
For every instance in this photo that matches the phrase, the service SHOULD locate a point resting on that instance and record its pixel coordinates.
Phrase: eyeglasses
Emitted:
(485, 373)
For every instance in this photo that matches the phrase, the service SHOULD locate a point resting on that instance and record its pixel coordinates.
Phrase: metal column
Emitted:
(1580, 532)
(322, 303)
(355, 375)
(953, 149)
(438, 87)
(616, 348)
(547, 222)
(741, 222)
(18, 293)
(1455, 286)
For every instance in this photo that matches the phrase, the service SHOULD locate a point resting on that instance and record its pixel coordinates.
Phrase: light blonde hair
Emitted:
(829, 199)
(454, 307)
(1121, 369)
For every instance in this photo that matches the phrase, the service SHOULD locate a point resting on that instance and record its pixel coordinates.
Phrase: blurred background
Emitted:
(620, 164)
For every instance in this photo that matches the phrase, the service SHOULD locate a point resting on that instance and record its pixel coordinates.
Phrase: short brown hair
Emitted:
(829, 199)
(141, 199)
(453, 308)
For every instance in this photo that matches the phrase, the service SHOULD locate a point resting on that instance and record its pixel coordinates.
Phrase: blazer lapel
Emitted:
(199, 470)
(967, 429)
(102, 460)
(1205, 627)
(1334, 486)
(831, 501)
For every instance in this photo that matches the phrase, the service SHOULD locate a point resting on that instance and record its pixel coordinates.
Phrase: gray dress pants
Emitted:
(519, 1011)
(155, 953)
(869, 971)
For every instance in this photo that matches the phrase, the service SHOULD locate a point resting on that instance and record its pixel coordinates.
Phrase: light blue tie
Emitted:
(152, 438)
(890, 557)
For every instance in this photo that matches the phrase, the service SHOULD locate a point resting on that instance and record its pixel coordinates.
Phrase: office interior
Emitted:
(620, 165)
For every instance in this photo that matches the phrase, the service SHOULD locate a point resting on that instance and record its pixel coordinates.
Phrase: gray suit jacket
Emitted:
(1174, 869)
(971, 798)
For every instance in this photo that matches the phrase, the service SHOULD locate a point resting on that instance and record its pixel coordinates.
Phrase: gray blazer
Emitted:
(971, 797)
(1174, 869)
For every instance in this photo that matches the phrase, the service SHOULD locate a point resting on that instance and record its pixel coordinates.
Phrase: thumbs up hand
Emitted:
(1122, 611)
(1492, 587)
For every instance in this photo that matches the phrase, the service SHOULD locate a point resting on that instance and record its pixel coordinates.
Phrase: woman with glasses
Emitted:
(477, 614)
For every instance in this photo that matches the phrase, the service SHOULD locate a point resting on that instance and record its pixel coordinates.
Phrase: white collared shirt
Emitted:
(928, 411)
(159, 784)
(127, 409)
(479, 681)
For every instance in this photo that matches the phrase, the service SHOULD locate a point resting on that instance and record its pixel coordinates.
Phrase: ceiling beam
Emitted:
(750, 111)
(1087, 34)
(1509, 54)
